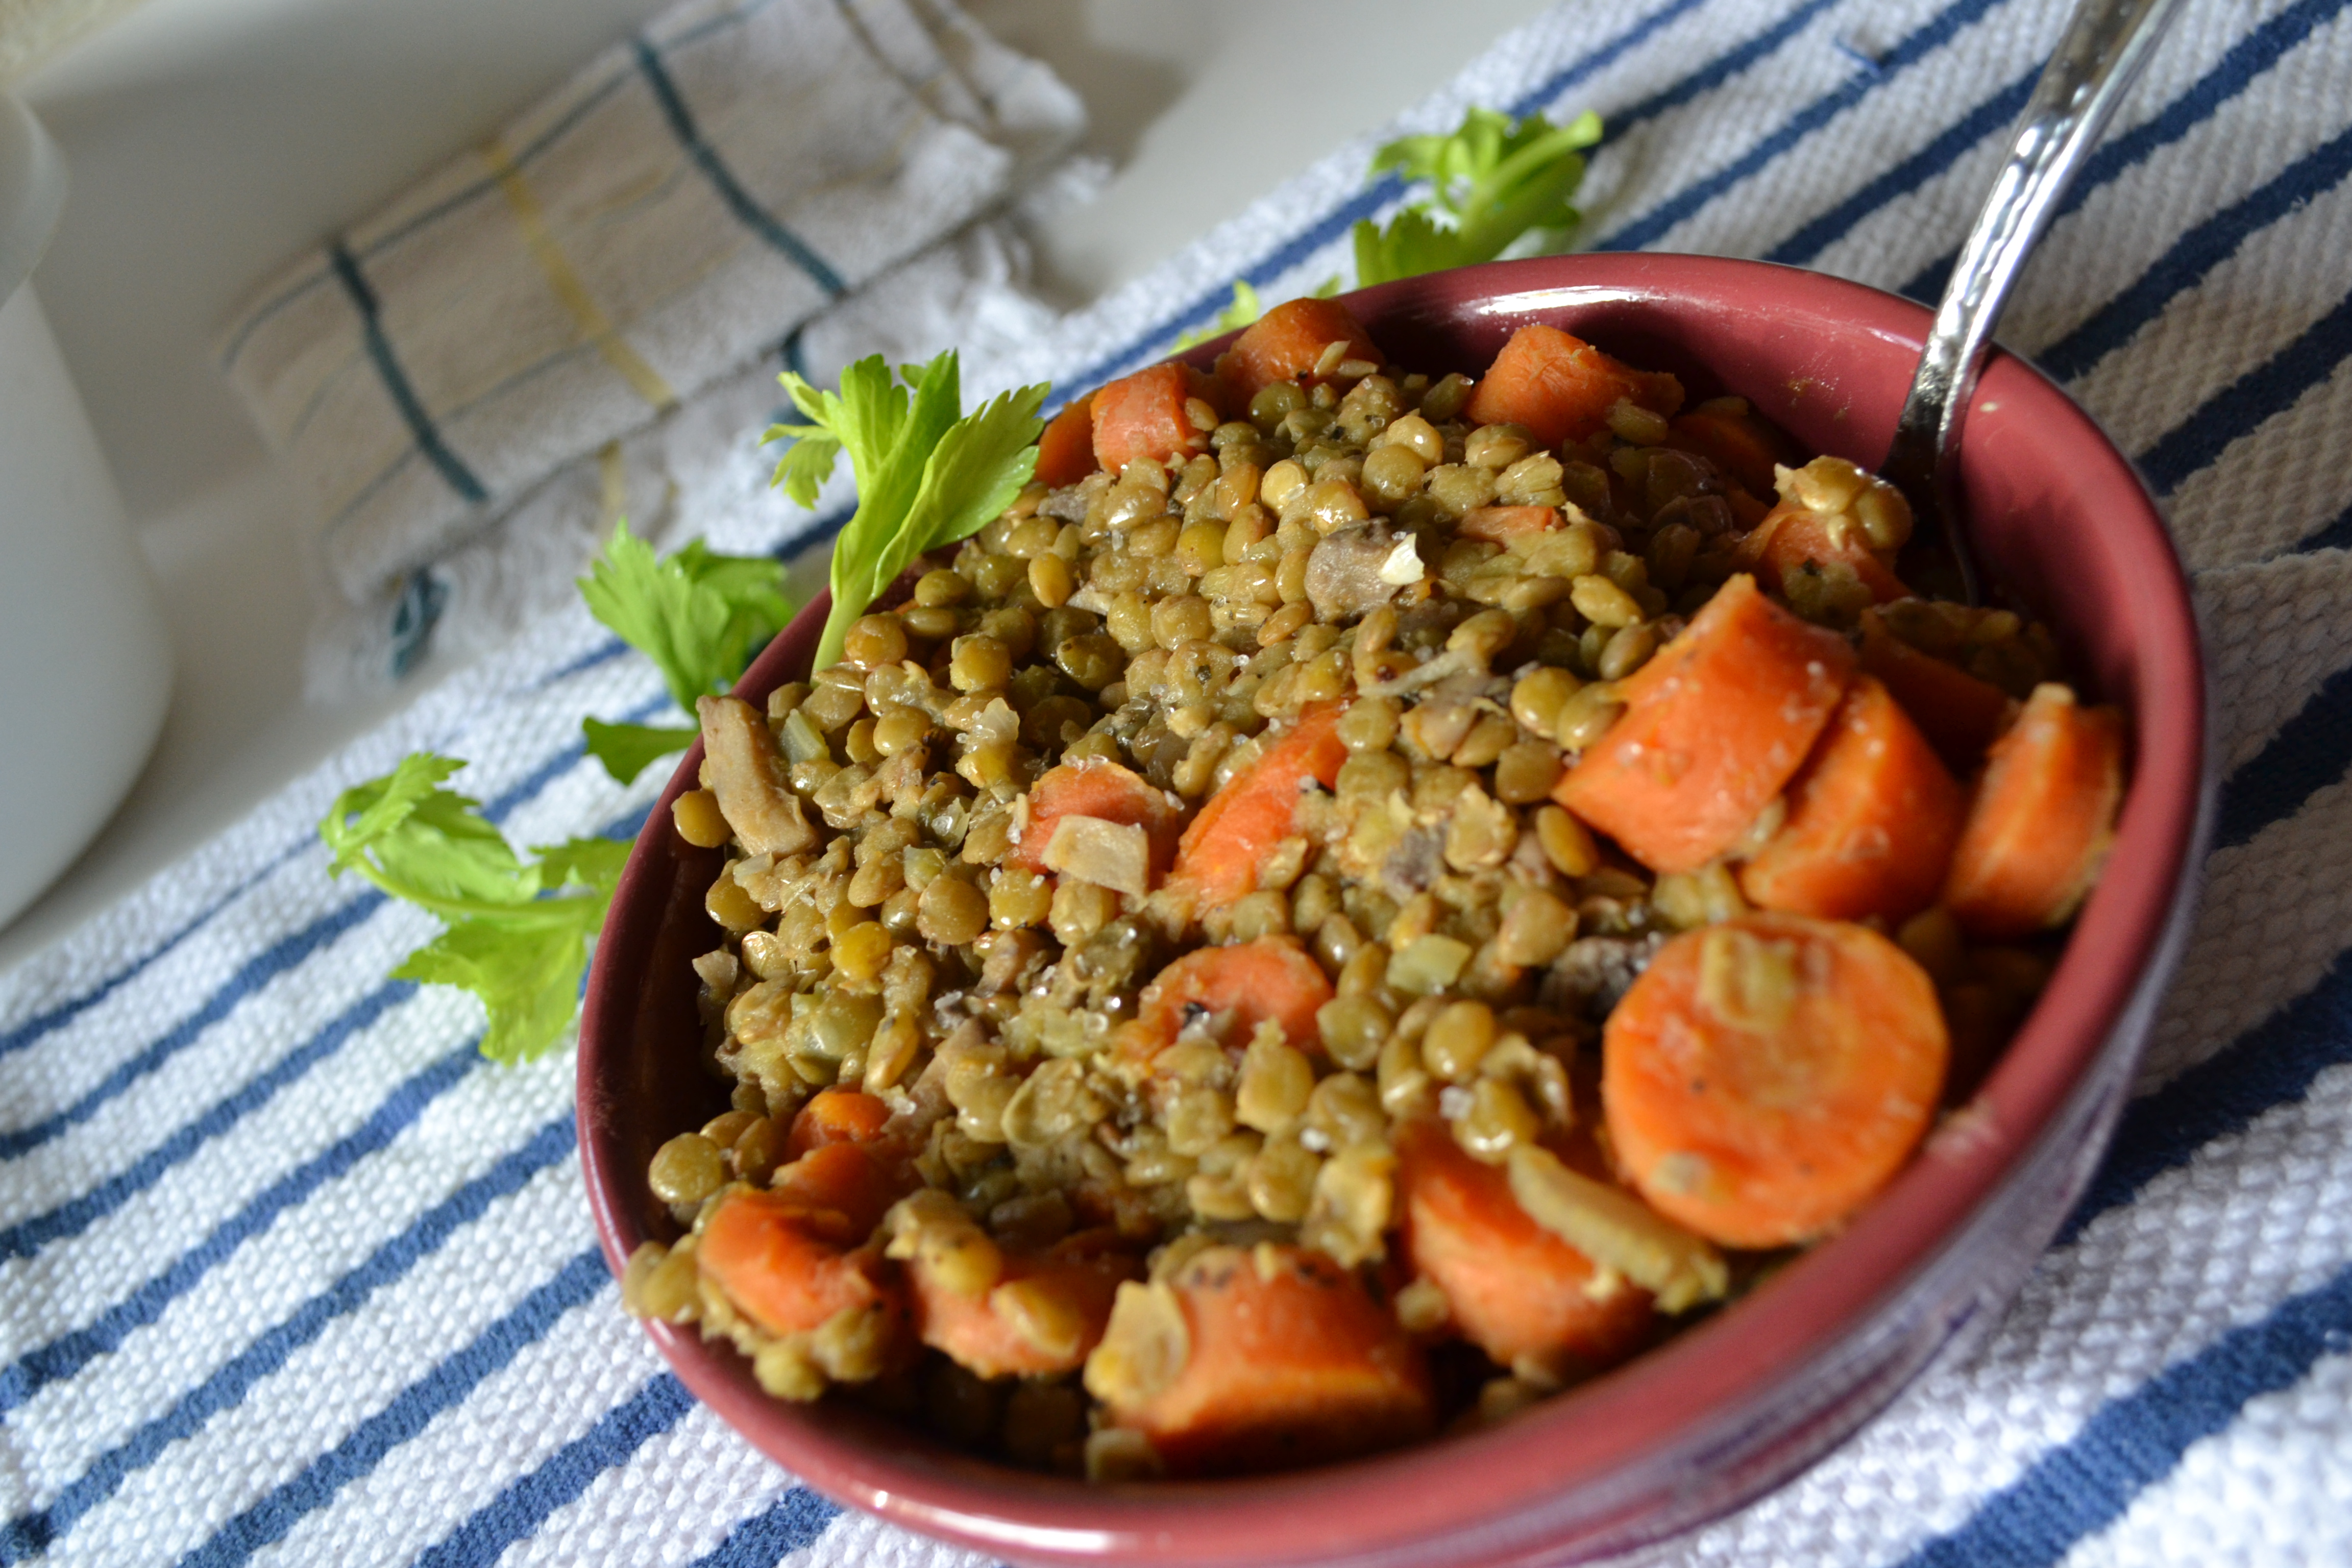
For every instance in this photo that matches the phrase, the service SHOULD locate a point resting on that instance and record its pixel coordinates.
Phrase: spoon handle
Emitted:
(2106, 42)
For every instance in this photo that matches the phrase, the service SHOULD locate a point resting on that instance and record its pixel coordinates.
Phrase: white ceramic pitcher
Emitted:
(85, 661)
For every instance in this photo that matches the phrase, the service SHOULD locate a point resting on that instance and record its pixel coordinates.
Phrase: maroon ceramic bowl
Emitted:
(1746, 1399)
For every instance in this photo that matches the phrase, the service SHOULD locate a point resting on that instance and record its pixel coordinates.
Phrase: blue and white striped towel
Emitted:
(550, 328)
(287, 1272)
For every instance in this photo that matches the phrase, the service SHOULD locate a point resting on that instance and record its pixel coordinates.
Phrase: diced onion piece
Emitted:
(1114, 855)
(1617, 1230)
(1403, 568)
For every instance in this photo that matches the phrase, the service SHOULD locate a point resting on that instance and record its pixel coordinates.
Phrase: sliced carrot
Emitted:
(1873, 817)
(1268, 978)
(1289, 342)
(1097, 787)
(836, 1116)
(1285, 1361)
(1765, 1077)
(1142, 415)
(1220, 852)
(1745, 448)
(1713, 725)
(1792, 536)
(1048, 1322)
(1959, 714)
(851, 1181)
(786, 1266)
(1065, 451)
(1502, 524)
(2043, 820)
(1515, 1290)
(1561, 388)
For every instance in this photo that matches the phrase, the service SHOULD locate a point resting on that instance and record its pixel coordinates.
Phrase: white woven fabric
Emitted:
(286, 1274)
(552, 328)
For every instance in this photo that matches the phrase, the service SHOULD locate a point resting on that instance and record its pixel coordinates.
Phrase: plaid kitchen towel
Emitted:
(287, 1272)
(556, 327)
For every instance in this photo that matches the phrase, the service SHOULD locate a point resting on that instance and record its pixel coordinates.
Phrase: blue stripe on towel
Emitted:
(389, 1261)
(1920, 43)
(792, 1521)
(224, 1112)
(32, 1533)
(750, 214)
(451, 467)
(68, 1353)
(2195, 254)
(1800, 248)
(2337, 535)
(1732, 62)
(2271, 1065)
(65, 1012)
(2085, 1484)
(524, 1505)
(33, 1029)
(2247, 59)
(279, 958)
(2246, 404)
(2310, 752)
(445, 1385)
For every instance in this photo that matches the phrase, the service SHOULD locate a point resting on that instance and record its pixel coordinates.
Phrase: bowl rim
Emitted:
(1689, 1396)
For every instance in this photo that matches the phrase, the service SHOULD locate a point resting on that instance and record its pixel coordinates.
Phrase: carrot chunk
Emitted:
(852, 1181)
(1713, 725)
(1796, 537)
(1502, 524)
(1793, 536)
(1959, 714)
(2043, 820)
(1765, 1077)
(1044, 1314)
(1289, 342)
(836, 1116)
(1220, 852)
(1268, 978)
(1249, 1360)
(1142, 415)
(788, 1267)
(1745, 448)
(1561, 388)
(1101, 789)
(1873, 817)
(1515, 1290)
(1065, 451)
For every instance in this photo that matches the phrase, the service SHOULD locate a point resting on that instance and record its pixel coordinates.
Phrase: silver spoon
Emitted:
(2106, 42)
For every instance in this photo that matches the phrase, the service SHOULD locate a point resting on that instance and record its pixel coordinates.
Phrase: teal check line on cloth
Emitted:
(547, 331)
(286, 1273)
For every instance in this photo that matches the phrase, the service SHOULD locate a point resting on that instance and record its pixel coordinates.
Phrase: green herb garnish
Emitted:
(699, 616)
(1492, 183)
(926, 478)
(517, 930)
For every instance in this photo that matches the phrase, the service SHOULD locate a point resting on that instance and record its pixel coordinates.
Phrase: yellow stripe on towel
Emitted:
(531, 218)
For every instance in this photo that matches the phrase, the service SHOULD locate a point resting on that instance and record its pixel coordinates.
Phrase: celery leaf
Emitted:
(1492, 183)
(516, 931)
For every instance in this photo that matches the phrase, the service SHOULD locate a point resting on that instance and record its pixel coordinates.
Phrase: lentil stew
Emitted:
(1212, 979)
